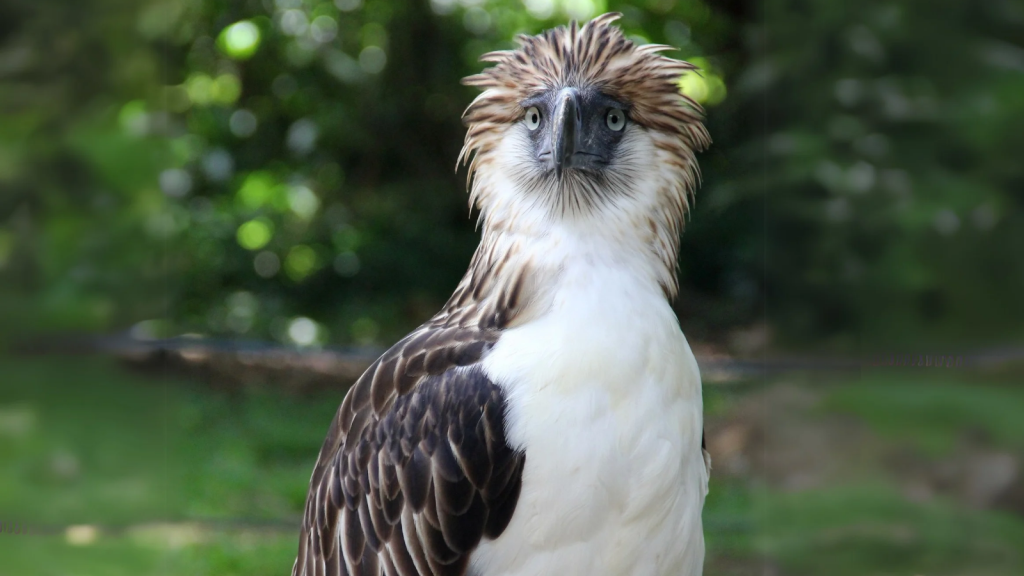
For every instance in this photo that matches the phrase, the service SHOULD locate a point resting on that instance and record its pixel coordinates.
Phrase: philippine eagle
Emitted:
(548, 420)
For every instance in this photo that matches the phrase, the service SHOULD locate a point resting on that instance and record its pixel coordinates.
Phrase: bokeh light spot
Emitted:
(239, 40)
(225, 89)
(703, 85)
(301, 136)
(294, 22)
(442, 7)
(716, 90)
(175, 182)
(218, 165)
(255, 233)
(694, 86)
(540, 9)
(580, 9)
(476, 20)
(946, 222)
(323, 29)
(266, 264)
(133, 118)
(243, 123)
(303, 331)
(342, 66)
(303, 202)
(860, 177)
(200, 89)
(300, 262)
(258, 189)
(242, 307)
(81, 535)
(373, 59)
(706, 90)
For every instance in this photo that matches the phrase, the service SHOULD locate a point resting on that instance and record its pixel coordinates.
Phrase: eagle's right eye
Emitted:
(533, 118)
(616, 119)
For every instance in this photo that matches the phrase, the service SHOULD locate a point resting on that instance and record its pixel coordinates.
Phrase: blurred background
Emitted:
(214, 213)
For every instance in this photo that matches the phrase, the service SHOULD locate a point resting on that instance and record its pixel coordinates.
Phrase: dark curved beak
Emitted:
(565, 129)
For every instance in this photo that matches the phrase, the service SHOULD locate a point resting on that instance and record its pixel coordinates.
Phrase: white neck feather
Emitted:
(635, 231)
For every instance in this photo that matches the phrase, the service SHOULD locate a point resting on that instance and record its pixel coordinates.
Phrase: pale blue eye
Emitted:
(616, 119)
(533, 118)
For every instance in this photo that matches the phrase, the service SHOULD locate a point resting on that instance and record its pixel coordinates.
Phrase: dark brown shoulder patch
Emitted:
(430, 478)
(415, 469)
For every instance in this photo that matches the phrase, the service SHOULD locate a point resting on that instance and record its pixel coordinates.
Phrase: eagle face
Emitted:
(573, 150)
(573, 130)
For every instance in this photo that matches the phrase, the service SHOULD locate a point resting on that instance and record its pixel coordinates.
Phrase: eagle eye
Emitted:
(533, 118)
(616, 119)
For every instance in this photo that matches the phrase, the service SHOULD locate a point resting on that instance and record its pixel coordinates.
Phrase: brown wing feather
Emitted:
(418, 488)
(415, 469)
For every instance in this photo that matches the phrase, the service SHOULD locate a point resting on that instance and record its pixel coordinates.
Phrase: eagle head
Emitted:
(581, 124)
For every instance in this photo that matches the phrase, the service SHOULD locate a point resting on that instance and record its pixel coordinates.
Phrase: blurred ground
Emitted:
(897, 472)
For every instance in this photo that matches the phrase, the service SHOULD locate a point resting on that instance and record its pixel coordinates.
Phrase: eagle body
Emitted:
(604, 399)
(548, 420)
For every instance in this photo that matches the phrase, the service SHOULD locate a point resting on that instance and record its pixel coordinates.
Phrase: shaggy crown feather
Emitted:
(597, 55)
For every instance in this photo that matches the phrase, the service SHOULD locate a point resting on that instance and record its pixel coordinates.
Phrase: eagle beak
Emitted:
(566, 128)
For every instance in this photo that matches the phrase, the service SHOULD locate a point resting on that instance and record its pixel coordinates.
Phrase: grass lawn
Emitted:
(121, 473)
(173, 477)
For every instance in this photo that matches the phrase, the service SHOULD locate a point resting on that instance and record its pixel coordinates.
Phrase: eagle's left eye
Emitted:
(532, 118)
(616, 119)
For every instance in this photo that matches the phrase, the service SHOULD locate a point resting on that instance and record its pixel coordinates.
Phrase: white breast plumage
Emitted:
(604, 399)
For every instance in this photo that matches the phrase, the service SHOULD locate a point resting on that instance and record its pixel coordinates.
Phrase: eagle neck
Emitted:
(549, 247)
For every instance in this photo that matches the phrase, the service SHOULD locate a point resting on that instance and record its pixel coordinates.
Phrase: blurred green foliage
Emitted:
(284, 168)
(892, 175)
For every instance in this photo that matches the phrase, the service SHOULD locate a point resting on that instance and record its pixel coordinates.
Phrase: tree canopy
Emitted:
(286, 168)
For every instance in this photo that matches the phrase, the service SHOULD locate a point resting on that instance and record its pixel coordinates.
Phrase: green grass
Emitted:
(933, 412)
(153, 551)
(83, 441)
(179, 478)
(871, 529)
